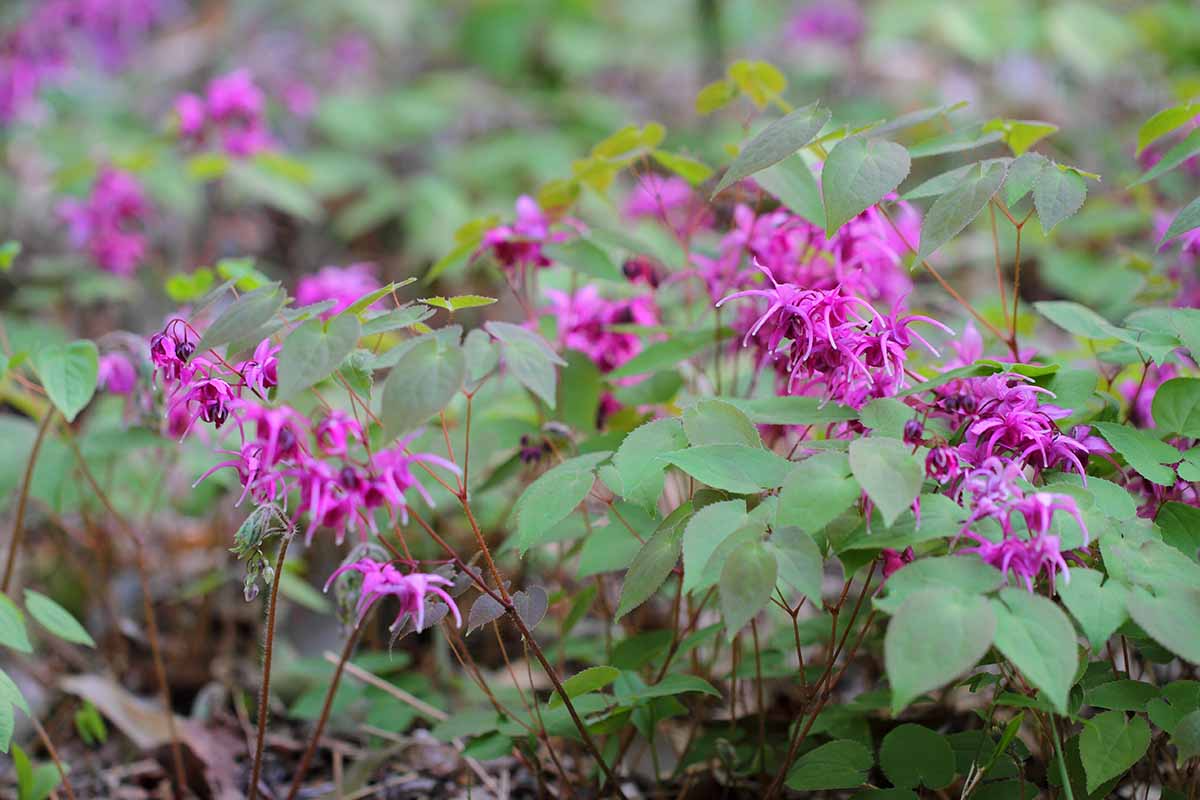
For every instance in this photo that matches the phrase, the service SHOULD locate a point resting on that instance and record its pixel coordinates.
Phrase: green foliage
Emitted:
(913, 755)
(56, 619)
(780, 139)
(553, 496)
(68, 374)
(313, 351)
(1038, 638)
(422, 382)
(841, 764)
(955, 209)
(747, 582)
(1110, 744)
(888, 472)
(530, 358)
(731, 467)
(858, 174)
(653, 562)
(239, 320)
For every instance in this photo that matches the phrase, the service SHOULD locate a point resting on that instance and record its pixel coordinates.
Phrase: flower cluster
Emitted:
(669, 200)
(336, 479)
(993, 492)
(821, 339)
(109, 223)
(232, 112)
(116, 374)
(518, 246)
(40, 50)
(343, 285)
(380, 579)
(586, 321)
(839, 23)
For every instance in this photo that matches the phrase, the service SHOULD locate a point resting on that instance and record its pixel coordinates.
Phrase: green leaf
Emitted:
(242, 272)
(1021, 134)
(56, 619)
(715, 96)
(301, 592)
(1186, 220)
(858, 174)
(693, 171)
(955, 142)
(888, 472)
(7, 724)
(531, 359)
(747, 581)
(652, 564)
(243, 317)
(12, 627)
(940, 184)
(936, 636)
(589, 680)
(670, 353)
(1170, 619)
(1186, 737)
(758, 80)
(954, 210)
(792, 183)
(799, 560)
(1099, 609)
(1121, 695)
(1038, 638)
(1022, 175)
(777, 141)
(791, 410)
(733, 468)
(10, 693)
(1180, 526)
(579, 389)
(886, 416)
(420, 384)
(68, 373)
(1163, 122)
(398, 318)
(840, 764)
(817, 491)
(1144, 453)
(672, 684)
(637, 462)
(553, 496)
(313, 351)
(8, 254)
(712, 421)
(1057, 194)
(1176, 407)
(967, 574)
(1109, 744)
(705, 531)
(1178, 154)
(913, 755)
(186, 287)
(585, 257)
(458, 302)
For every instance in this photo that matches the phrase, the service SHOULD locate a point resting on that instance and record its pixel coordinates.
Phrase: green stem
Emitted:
(1062, 762)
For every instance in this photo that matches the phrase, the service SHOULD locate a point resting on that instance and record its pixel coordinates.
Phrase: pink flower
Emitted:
(192, 115)
(519, 245)
(382, 579)
(893, 560)
(586, 321)
(1024, 558)
(839, 23)
(109, 223)
(232, 112)
(260, 372)
(116, 374)
(669, 200)
(343, 285)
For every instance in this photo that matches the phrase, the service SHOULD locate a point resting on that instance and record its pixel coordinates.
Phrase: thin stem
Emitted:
(999, 270)
(309, 751)
(160, 670)
(762, 705)
(19, 523)
(62, 773)
(1012, 336)
(264, 691)
(1062, 763)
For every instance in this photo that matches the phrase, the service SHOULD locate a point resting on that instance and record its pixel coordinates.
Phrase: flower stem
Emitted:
(1062, 763)
(265, 685)
(14, 544)
(302, 768)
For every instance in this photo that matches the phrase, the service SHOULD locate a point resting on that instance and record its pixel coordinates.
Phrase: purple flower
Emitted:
(893, 560)
(109, 223)
(382, 579)
(839, 23)
(671, 201)
(941, 464)
(585, 322)
(116, 374)
(519, 245)
(232, 113)
(1024, 558)
(343, 285)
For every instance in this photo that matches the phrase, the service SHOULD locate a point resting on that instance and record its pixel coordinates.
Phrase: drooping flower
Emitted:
(1024, 558)
(381, 579)
(893, 560)
(109, 224)
(116, 374)
(519, 245)
(586, 321)
(343, 285)
(671, 201)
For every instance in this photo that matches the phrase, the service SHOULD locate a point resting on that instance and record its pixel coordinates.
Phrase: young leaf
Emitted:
(1178, 154)
(68, 373)
(1164, 122)
(1057, 194)
(313, 351)
(459, 302)
(936, 636)
(888, 472)
(800, 564)
(1037, 637)
(693, 171)
(858, 174)
(591, 679)
(8, 254)
(530, 358)
(56, 619)
(747, 582)
(955, 210)
(715, 96)
(777, 141)
(793, 184)
(422, 382)
(1020, 134)
(1109, 744)
(1022, 175)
